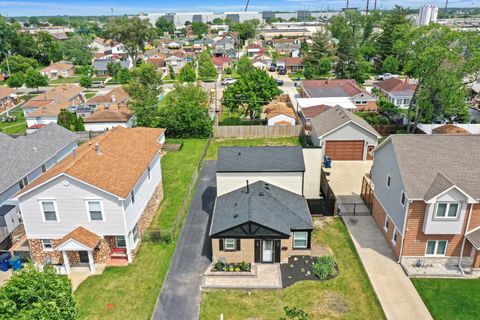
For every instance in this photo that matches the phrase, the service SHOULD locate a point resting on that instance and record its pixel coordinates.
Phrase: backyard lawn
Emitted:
(131, 292)
(15, 127)
(234, 118)
(348, 296)
(450, 298)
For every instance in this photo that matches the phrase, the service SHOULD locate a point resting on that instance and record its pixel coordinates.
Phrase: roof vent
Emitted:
(97, 149)
(239, 153)
(235, 216)
(260, 194)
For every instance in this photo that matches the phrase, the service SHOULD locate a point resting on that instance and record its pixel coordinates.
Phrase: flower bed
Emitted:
(243, 266)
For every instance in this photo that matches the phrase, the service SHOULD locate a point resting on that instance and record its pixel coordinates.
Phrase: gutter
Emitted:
(464, 239)
(400, 256)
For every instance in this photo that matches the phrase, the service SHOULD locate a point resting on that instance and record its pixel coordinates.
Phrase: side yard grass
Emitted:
(450, 298)
(131, 292)
(18, 126)
(348, 296)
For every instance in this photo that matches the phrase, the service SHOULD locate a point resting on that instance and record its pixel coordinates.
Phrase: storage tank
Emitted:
(425, 15)
(434, 15)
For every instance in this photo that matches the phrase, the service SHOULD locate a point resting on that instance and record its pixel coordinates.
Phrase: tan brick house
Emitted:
(260, 214)
(426, 198)
(94, 205)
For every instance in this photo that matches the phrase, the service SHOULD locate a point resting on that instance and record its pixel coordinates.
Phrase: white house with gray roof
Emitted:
(23, 160)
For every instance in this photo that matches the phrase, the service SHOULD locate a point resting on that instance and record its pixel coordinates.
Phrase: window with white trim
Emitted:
(23, 183)
(447, 210)
(120, 242)
(300, 239)
(95, 210)
(436, 247)
(44, 168)
(403, 199)
(47, 245)
(394, 236)
(389, 181)
(49, 210)
(229, 244)
(386, 224)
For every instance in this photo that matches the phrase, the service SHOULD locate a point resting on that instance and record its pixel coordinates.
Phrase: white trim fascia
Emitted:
(382, 144)
(350, 121)
(83, 247)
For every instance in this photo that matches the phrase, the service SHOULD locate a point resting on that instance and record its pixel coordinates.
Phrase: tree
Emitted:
(133, 33)
(86, 82)
(57, 21)
(184, 111)
(163, 25)
(16, 80)
(113, 68)
(34, 79)
(304, 48)
(171, 72)
(391, 64)
(48, 48)
(246, 29)
(199, 28)
(85, 70)
(144, 90)
(324, 67)
(393, 27)
(217, 21)
(206, 68)
(244, 65)
(35, 294)
(308, 71)
(19, 64)
(187, 73)
(320, 48)
(70, 120)
(77, 49)
(123, 76)
(252, 90)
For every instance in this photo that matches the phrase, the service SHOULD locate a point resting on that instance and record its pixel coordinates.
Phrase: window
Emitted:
(47, 245)
(49, 210)
(135, 234)
(229, 244)
(403, 199)
(132, 195)
(386, 224)
(436, 247)
(120, 242)
(148, 174)
(94, 208)
(44, 168)
(300, 239)
(23, 183)
(447, 210)
(389, 181)
(394, 236)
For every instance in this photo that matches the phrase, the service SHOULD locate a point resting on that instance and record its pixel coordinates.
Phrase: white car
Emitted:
(228, 81)
(386, 76)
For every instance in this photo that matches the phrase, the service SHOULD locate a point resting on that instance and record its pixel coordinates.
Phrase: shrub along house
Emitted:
(260, 213)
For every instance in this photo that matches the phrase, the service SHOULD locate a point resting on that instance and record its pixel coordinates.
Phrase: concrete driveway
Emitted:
(398, 297)
(180, 295)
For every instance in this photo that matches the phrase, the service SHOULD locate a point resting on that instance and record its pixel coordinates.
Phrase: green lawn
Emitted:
(285, 141)
(233, 118)
(348, 296)
(88, 95)
(450, 298)
(15, 127)
(131, 292)
(65, 80)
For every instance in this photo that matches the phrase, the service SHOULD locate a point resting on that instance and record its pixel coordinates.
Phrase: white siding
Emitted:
(40, 120)
(230, 181)
(102, 126)
(70, 196)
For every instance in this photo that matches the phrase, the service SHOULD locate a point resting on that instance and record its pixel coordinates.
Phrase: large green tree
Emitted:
(320, 48)
(163, 25)
(144, 90)
(19, 63)
(187, 73)
(250, 93)
(206, 68)
(77, 49)
(199, 28)
(16, 80)
(35, 294)
(244, 65)
(48, 48)
(394, 25)
(34, 79)
(184, 112)
(69, 120)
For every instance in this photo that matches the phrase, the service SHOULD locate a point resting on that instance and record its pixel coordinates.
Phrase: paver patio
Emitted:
(268, 277)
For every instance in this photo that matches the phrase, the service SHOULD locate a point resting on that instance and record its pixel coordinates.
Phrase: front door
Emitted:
(267, 251)
(83, 256)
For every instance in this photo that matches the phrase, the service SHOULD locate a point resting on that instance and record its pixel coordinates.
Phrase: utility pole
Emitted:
(375, 5)
(366, 11)
(8, 66)
(348, 1)
(216, 103)
(446, 8)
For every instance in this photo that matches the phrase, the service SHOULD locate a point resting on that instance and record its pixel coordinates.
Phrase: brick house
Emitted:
(94, 206)
(425, 198)
(260, 214)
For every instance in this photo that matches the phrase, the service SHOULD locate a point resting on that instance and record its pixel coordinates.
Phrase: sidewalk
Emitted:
(398, 297)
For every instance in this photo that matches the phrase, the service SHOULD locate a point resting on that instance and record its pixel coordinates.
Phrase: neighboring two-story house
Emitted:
(260, 213)
(398, 92)
(426, 196)
(23, 160)
(97, 202)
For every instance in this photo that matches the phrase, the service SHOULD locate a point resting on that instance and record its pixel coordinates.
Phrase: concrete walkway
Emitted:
(398, 297)
(180, 295)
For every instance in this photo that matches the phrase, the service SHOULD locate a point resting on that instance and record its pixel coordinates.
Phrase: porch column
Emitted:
(127, 248)
(91, 262)
(66, 262)
(476, 259)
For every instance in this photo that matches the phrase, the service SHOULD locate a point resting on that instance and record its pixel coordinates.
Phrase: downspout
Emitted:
(403, 233)
(464, 239)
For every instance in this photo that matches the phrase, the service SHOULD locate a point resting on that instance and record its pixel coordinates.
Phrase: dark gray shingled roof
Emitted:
(336, 117)
(20, 156)
(260, 159)
(264, 204)
(430, 164)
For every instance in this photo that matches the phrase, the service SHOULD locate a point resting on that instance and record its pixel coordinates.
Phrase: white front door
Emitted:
(267, 255)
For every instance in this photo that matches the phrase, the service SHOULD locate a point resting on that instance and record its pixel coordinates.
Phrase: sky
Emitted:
(104, 7)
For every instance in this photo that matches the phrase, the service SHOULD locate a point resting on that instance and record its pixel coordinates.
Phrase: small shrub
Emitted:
(324, 267)
(218, 266)
(295, 314)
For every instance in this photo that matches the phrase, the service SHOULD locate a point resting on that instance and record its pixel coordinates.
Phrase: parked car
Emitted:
(98, 84)
(385, 76)
(271, 68)
(228, 81)
(279, 82)
(282, 71)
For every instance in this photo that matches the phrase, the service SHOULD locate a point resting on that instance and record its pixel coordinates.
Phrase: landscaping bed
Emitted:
(232, 267)
(299, 268)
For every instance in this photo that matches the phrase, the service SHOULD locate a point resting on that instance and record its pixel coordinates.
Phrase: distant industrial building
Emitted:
(427, 14)
(182, 18)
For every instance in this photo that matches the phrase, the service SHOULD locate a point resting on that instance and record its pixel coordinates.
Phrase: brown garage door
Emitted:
(345, 150)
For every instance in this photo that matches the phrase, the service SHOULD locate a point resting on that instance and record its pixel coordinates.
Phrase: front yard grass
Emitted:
(348, 296)
(285, 141)
(450, 298)
(15, 127)
(131, 292)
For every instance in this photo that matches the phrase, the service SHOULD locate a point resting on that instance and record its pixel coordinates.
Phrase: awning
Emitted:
(474, 238)
(80, 239)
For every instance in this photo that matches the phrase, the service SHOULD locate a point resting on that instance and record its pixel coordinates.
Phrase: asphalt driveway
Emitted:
(180, 295)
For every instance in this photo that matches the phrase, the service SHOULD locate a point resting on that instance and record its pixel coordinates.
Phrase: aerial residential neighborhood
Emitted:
(249, 160)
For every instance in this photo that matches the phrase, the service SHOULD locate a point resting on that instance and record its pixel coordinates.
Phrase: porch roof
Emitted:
(474, 238)
(79, 239)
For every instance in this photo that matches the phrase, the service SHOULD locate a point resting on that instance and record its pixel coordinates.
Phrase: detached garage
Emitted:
(343, 136)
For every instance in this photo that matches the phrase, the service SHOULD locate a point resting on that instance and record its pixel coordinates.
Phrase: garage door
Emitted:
(345, 150)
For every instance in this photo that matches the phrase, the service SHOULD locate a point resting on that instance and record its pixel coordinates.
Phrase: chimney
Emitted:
(248, 187)
(97, 149)
(74, 153)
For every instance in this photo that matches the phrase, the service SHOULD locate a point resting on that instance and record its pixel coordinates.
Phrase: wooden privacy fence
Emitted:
(367, 193)
(257, 131)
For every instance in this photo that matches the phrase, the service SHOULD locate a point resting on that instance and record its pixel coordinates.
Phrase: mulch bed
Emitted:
(299, 268)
